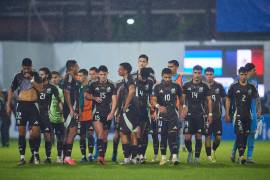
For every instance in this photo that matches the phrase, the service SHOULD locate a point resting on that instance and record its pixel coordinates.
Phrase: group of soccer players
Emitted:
(87, 102)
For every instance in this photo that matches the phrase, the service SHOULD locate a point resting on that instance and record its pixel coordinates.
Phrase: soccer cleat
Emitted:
(69, 161)
(126, 161)
(36, 159)
(141, 159)
(83, 160)
(155, 158)
(196, 161)
(210, 159)
(250, 161)
(21, 162)
(114, 158)
(59, 160)
(134, 161)
(175, 160)
(163, 160)
(101, 160)
(242, 160)
(90, 158)
(48, 160)
(190, 157)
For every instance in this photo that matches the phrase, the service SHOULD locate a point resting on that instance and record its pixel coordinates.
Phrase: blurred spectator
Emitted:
(4, 119)
(266, 103)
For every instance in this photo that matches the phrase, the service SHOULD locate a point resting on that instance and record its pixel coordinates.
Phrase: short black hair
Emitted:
(47, 72)
(93, 69)
(83, 71)
(166, 71)
(126, 66)
(249, 66)
(55, 73)
(174, 62)
(242, 70)
(209, 69)
(144, 56)
(198, 68)
(103, 68)
(26, 62)
(70, 63)
(145, 73)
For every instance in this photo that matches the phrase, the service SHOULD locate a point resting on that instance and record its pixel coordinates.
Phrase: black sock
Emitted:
(68, 149)
(48, 148)
(144, 145)
(216, 144)
(155, 143)
(134, 149)
(198, 148)
(115, 146)
(31, 145)
(91, 144)
(59, 148)
(100, 146)
(163, 144)
(188, 145)
(83, 146)
(105, 145)
(126, 150)
(22, 145)
(208, 151)
(172, 138)
(140, 146)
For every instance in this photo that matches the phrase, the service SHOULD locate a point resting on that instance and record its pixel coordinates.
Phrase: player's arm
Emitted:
(58, 98)
(67, 88)
(131, 94)
(114, 99)
(14, 86)
(155, 104)
(36, 82)
(227, 108)
(210, 107)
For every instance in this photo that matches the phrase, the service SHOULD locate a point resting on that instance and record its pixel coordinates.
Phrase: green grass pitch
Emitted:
(222, 169)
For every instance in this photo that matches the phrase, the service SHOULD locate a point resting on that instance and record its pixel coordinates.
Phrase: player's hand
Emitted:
(9, 110)
(73, 113)
(259, 128)
(154, 116)
(227, 118)
(162, 109)
(110, 116)
(210, 119)
(97, 99)
(184, 112)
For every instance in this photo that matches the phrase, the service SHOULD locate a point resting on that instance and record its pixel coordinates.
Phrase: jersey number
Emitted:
(214, 98)
(244, 98)
(167, 97)
(102, 95)
(42, 96)
(194, 95)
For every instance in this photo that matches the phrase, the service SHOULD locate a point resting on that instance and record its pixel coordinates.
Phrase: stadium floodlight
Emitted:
(130, 21)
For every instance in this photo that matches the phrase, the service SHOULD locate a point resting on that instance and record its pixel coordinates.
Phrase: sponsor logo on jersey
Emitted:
(49, 91)
(173, 90)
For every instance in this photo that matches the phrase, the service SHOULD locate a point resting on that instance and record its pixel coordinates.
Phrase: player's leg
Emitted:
(125, 146)
(22, 144)
(134, 145)
(208, 135)
(116, 139)
(106, 128)
(83, 130)
(98, 125)
(69, 139)
(154, 126)
(240, 139)
(47, 138)
(217, 131)
(163, 141)
(91, 141)
(250, 144)
(188, 130)
(60, 136)
(173, 136)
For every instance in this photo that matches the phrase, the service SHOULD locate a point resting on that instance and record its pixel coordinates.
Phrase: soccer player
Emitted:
(85, 127)
(128, 119)
(56, 116)
(71, 108)
(116, 137)
(176, 77)
(241, 94)
(195, 93)
(93, 74)
(165, 97)
(218, 94)
(143, 92)
(28, 83)
(104, 99)
(44, 103)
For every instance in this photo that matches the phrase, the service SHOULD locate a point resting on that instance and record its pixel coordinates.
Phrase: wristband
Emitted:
(157, 106)
(210, 114)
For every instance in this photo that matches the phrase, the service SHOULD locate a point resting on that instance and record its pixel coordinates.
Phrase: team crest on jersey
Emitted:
(109, 89)
(217, 91)
(49, 91)
(249, 92)
(146, 87)
(201, 89)
(189, 89)
(173, 90)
